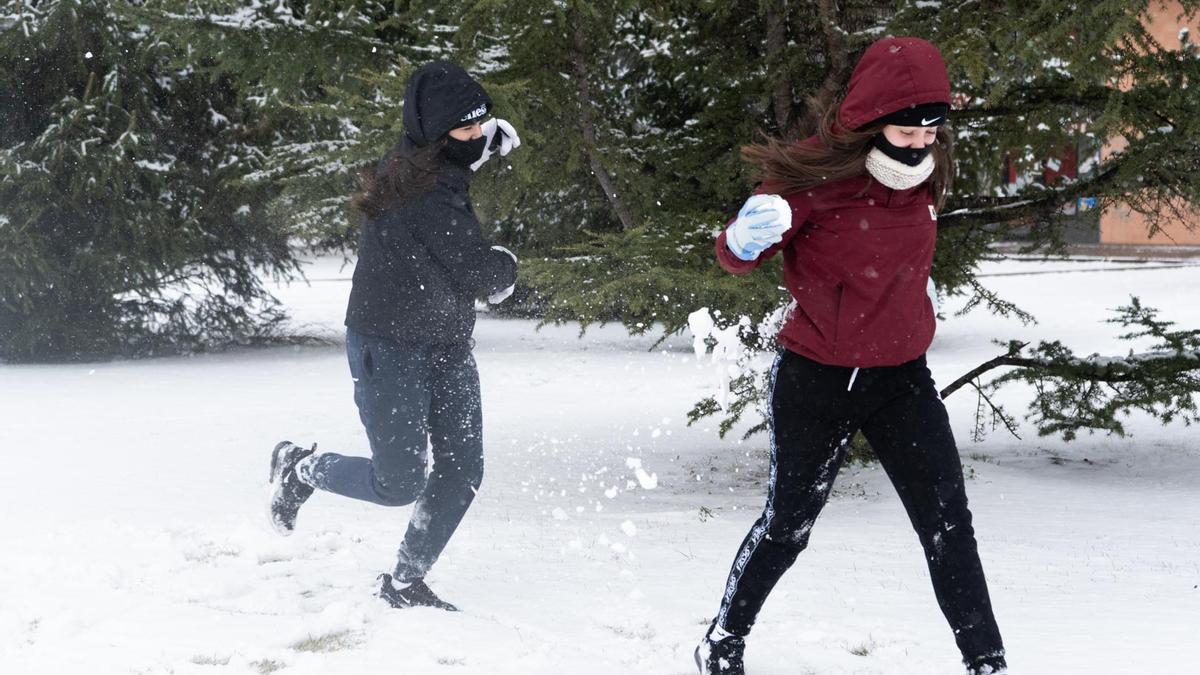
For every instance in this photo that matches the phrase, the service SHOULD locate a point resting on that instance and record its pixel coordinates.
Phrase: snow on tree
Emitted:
(123, 231)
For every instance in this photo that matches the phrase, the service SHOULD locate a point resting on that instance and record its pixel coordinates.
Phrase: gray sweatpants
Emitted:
(418, 402)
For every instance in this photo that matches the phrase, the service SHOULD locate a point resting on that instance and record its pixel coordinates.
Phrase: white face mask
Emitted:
(898, 175)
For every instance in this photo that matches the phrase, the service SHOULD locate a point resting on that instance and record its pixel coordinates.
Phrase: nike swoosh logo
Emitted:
(925, 122)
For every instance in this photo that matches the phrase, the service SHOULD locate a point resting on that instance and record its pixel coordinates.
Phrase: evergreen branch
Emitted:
(1132, 368)
(1022, 101)
(1003, 360)
(997, 305)
(246, 20)
(1074, 393)
(998, 413)
(1018, 210)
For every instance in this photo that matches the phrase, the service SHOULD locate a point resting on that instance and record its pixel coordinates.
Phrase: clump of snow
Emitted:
(701, 324)
(161, 167)
(648, 481)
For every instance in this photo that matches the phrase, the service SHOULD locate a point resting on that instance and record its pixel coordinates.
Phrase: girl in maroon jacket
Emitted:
(853, 210)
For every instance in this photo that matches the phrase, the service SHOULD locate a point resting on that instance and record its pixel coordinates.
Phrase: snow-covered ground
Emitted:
(132, 499)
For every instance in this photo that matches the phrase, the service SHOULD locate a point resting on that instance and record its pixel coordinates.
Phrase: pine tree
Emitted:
(316, 118)
(1029, 84)
(119, 231)
(333, 113)
(631, 113)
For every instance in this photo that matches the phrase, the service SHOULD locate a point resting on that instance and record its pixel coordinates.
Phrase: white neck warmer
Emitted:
(898, 175)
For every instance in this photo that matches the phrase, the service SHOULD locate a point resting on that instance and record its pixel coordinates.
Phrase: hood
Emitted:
(893, 74)
(438, 97)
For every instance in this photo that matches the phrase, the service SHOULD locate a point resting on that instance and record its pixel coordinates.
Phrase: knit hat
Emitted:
(438, 97)
(923, 115)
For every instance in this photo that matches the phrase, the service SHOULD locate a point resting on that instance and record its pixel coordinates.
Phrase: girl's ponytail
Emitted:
(411, 171)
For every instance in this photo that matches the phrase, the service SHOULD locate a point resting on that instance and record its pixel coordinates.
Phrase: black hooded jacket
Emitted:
(424, 261)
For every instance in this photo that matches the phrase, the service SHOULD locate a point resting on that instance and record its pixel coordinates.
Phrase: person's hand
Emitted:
(500, 136)
(762, 222)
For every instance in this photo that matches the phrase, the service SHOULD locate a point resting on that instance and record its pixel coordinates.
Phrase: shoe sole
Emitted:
(383, 595)
(274, 484)
(408, 605)
(444, 607)
(276, 460)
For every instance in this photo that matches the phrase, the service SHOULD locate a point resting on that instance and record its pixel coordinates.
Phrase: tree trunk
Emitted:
(588, 126)
(781, 94)
(836, 49)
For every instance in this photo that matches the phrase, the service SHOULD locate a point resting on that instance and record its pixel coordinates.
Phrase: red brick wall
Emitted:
(1119, 225)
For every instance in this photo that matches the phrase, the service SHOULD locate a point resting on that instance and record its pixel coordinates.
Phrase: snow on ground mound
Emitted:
(132, 503)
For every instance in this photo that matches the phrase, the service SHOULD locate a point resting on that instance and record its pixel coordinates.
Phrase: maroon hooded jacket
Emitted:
(857, 256)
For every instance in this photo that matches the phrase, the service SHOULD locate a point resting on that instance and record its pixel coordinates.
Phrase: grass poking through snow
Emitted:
(268, 666)
(330, 642)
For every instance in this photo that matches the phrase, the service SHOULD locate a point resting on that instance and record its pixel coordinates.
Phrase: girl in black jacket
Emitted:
(422, 263)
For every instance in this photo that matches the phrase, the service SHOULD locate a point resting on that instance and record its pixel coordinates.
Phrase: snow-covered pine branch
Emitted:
(1074, 393)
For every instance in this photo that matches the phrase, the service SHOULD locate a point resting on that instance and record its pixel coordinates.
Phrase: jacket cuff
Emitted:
(730, 262)
(508, 261)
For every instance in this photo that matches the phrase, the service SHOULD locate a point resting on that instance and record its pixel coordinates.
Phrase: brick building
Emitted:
(1120, 225)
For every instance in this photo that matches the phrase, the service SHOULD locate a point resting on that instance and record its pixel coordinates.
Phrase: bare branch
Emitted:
(997, 411)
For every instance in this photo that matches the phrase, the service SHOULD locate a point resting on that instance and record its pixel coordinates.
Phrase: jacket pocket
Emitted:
(368, 362)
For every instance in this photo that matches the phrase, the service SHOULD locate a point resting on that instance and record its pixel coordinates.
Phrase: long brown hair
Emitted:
(411, 171)
(788, 166)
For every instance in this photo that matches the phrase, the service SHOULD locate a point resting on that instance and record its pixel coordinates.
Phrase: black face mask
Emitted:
(909, 156)
(464, 153)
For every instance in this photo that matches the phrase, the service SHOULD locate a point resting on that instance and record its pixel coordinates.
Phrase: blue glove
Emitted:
(761, 223)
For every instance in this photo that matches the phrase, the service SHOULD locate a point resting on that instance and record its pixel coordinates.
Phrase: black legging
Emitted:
(815, 409)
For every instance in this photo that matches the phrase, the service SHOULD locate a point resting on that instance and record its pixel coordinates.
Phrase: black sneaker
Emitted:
(416, 594)
(722, 656)
(288, 493)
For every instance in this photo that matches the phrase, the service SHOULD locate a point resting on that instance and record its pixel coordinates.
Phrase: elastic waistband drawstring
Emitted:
(852, 378)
